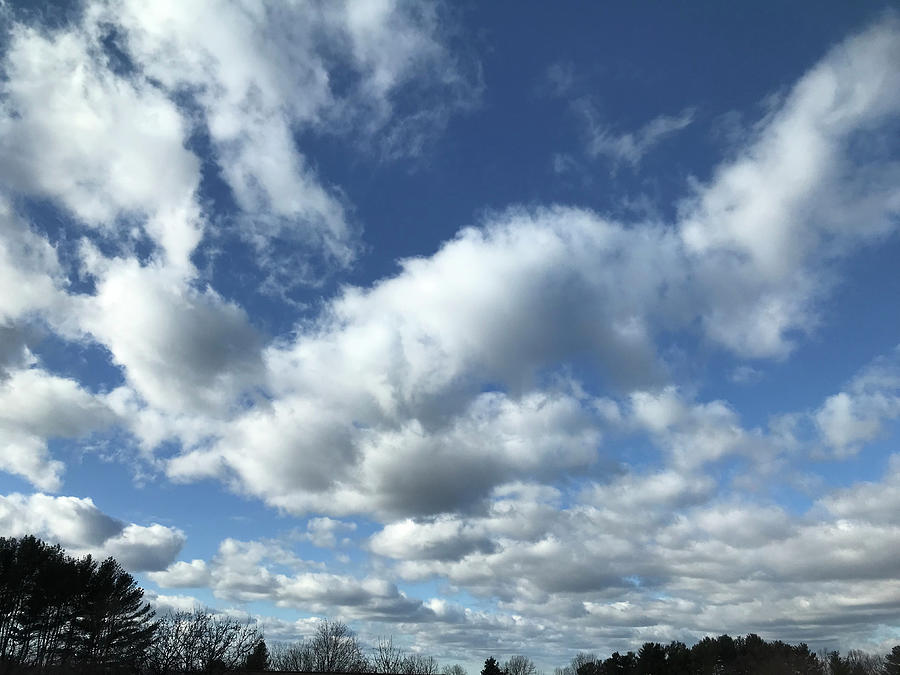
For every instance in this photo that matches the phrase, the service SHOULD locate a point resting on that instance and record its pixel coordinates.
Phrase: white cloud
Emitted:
(391, 376)
(261, 71)
(850, 418)
(251, 571)
(771, 219)
(307, 459)
(693, 433)
(876, 502)
(81, 528)
(323, 532)
(438, 401)
(28, 263)
(103, 145)
(631, 147)
(183, 574)
(172, 603)
(36, 406)
(660, 554)
(183, 350)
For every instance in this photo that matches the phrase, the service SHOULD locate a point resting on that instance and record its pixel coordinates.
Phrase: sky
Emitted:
(501, 328)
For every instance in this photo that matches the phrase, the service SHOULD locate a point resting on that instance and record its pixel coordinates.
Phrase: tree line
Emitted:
(60, 614)
(724, 655)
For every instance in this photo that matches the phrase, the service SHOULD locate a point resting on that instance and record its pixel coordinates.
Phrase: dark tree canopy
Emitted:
(892, 662)
(491, 667)
(258, 659)
(59, 611)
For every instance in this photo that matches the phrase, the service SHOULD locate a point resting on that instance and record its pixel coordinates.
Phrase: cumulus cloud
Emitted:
(307, 461)
(29, 264)
(36, 406)
(250, 571)
(105, 146)
(440, 401)
(323, 532)
(183, 574)
(260, 72)
(796, 195)
(656, 555)
(852, 417)
(397, 370)
(81, 528)
(183, 350)
(693, 433)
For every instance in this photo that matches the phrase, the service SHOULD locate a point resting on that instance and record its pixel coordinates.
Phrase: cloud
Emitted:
(29, 264)
(322, 532)
(850, 418)
(871, 501)
(693, 433)
(409, 469)
(252, 571)
(648, 556)
(266, 71)
(183, 350)
(183, 574)
(103, 145)
(81, 528)
(800, 195)
(441, 401)
(631, 147)
(36, 406)
(392, 377)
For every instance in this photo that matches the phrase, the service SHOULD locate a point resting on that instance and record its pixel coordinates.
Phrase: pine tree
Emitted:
(491, 667)
(258, 659)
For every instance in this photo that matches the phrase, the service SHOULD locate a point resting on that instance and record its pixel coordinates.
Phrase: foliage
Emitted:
(67, 613)
(724, 655)
(258, 659)
(491, 667)
(892, 662)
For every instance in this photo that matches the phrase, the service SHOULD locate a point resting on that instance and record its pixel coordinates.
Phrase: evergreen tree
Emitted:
(58, 611)
(491, 667)
(892, 662)
(258, 659)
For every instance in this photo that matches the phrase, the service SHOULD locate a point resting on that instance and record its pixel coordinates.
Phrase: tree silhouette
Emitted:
(892, 662)
(335, 649)
(62, 612)
(651, 659)
(258, 659)
(491, 667)
(455, 669)
(197, 641)
(519, 665)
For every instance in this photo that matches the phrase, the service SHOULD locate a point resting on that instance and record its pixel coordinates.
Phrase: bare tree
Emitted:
(336, 649)
(419, 664)
(455, 669)
(290, 656)
(191, 642)
(863, 663)
(386, 658)
(519, 665)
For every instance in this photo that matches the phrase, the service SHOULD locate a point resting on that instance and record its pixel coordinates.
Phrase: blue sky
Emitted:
(498, 327)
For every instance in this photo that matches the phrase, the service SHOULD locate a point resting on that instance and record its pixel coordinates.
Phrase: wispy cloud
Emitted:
(629, 147)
